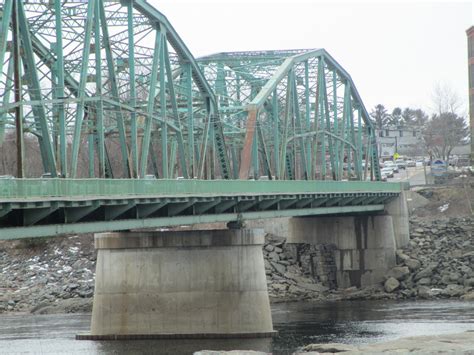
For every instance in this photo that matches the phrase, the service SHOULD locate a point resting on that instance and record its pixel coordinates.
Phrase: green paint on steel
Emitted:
(45, 188)
(138, 89)
(91, 227)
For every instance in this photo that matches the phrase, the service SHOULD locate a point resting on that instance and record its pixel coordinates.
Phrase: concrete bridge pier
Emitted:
(365, 245)
(207, 283)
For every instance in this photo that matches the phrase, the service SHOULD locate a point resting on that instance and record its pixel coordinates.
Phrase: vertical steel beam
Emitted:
(133, 94)
(276, 133)
(59, 90)
(299, 130)
(316, 121)
(235, 162)
(246, 155)
(263, 149)
(99, 113)
(90, 143)
(172, 158)
(255, 160)
(9, 87)
(359, 143)
(321, 100)
(174, 107)
(470, 62)
(18, 95)
(114, 89)
(4, 26)
(163, 113)
(34, 91)
(203, 152)
(328, 125)
(82, 86)
(287, 118)
(343, 129)
(189, 93)
(349, 123)
(337, 143)
(151, 102)
(308, 119)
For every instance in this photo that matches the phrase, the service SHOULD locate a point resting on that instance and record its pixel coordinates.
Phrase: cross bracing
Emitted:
(105, 104)
(108, 89)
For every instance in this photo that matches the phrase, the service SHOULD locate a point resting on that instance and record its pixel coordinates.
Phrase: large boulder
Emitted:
(424, 281)
(413, 264)
(281, 269)
(424, 292)
(469, 282)
(468, 296)
(426, 272)
(327, 348)
(453, 290)
(391, 284)
(398, 272)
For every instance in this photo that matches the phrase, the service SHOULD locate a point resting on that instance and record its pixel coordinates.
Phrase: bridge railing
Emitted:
(87, 188)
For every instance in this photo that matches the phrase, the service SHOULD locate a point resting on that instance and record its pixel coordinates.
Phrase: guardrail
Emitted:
(47, 188)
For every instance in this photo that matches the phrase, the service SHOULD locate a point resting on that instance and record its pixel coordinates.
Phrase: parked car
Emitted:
(463, 162)
(401, 164)
(411, 163)
(392, 165)
(387, 171)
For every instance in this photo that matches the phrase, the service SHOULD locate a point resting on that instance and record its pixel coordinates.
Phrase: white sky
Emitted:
(396, 52)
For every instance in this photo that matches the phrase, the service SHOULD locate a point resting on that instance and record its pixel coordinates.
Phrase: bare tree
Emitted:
(443, 132)
(446, 99)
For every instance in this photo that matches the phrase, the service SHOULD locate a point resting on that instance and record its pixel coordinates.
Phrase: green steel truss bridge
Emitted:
(108, 122)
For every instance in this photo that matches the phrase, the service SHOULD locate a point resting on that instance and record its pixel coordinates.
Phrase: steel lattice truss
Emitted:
(109, 89)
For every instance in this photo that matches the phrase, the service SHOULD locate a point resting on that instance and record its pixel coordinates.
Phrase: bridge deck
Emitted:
(43, 207)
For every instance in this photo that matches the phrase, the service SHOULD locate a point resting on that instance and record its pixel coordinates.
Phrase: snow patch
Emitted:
(443, 207)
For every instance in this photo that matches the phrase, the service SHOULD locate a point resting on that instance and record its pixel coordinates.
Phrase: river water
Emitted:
(356, 322)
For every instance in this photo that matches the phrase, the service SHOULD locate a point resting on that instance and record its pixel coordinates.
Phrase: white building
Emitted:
(407, 140)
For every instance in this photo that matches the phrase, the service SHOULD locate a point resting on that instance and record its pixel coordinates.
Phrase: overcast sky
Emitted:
(396, 52)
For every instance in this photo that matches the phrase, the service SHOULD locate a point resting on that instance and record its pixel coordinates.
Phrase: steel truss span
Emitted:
(107, 89)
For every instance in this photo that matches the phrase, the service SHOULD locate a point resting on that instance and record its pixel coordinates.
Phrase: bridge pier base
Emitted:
(398, 210)
(208, 283)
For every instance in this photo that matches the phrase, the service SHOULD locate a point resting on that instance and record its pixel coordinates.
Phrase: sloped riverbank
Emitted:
(56, 275)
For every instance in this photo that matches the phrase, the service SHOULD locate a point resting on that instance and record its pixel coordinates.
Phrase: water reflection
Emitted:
(182, 346)
(363, 322)
(298, 324)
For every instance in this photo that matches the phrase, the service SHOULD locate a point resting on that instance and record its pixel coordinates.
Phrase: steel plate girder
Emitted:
(144, 210)
(90, 227)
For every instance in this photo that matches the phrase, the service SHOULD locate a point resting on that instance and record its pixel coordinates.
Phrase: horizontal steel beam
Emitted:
(92, 227)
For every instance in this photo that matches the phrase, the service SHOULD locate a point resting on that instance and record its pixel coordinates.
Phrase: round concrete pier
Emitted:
(180, 283)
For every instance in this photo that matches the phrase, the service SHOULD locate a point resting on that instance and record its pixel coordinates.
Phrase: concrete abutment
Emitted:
(208, 283)
(364, 246)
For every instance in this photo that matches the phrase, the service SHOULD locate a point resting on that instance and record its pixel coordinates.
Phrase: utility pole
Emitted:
(470, 61)
(20, 153)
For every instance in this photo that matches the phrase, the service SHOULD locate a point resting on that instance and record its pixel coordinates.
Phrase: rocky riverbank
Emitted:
(57, 275)
(437, 263)
(50, 275)
(459, 343)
